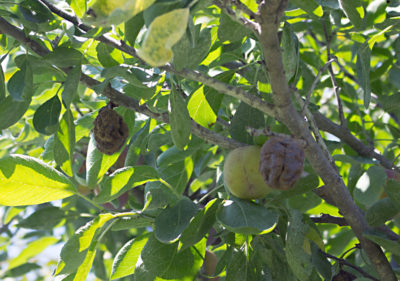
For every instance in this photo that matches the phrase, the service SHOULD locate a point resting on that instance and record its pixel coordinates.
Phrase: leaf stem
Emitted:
(90, 201)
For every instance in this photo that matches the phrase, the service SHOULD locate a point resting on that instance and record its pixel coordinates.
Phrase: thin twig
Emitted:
(344, 262)
(221, 87)
(325, 218)
(244, 9)
(314, 84)
(116, 96)
(314, 127)
(255, 27)
(336, 88)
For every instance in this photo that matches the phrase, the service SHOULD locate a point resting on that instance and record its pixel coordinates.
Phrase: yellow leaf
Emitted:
(109, 12)
(164, 32)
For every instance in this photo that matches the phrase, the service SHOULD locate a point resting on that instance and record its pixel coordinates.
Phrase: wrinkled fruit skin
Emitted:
(110, 131)
(241, 173)
(281, 162)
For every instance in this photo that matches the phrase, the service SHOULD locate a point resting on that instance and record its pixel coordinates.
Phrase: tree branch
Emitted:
(344, 262)
(116, 96)
(221, 87)
(322, 122)
(270, 12)
(231, 13)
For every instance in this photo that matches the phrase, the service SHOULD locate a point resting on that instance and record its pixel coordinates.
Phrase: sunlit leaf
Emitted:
(43, 184)
(162, 34)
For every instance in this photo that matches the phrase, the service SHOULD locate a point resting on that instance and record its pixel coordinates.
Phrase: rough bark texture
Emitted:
(270, 14)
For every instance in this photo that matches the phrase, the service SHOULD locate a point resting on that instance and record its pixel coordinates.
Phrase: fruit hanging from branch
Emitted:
(281, 162)
(241, 173)
(110, 131)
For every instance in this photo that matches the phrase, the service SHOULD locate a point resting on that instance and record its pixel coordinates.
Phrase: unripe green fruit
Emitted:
(241, 173)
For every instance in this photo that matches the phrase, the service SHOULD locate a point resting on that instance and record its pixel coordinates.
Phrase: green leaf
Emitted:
(75, 251)
(108, 56)
(79, 7)
(133, 27)
(370, 185)
(20, 85)
(393, 191)
(45, 119)
(213, 97)
(84, 269)
(363, 70)
(123, 180)
(163, 33)
(309, 6)
(124, 72)
(297, 258)
(126, 258)
(64, 143)
(381, 211)
(46, 218)
(290, 52)
(71, 85)
(11, 111)
(187, 55)
(97, 163)
(64, 57)
(177, 174)
(172, 155)
(230, 30)
(21, 270)
(380, 239)
(137, 145)
(172, 221)
(181, 124)
(200, 225)
(246, 116)
(321, 262)
(200, 110)
(165, 261)
(237, 268)
(354, 11)
(2, 85)
(246, 217)
(305, 184)
(31, 250)
(44, 183)
(158, 256)
(131, 222)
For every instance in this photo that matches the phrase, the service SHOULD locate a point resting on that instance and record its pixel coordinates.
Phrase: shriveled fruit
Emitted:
(110, 131)
(241, 173)
(281, 162)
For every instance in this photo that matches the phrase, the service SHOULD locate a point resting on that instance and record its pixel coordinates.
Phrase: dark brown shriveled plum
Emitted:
(110, 131)
(281, 162)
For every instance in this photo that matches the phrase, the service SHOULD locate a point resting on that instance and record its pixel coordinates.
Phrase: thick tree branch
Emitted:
(270, 12)
(116, 96)
(221, 87)
(344, 134)
(322, 122)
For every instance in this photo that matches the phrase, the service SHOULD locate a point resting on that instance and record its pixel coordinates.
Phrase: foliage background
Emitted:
(162, 195)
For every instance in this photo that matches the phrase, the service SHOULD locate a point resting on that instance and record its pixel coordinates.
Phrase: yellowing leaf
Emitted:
(109, 12)
(163, 33)
(25, 180)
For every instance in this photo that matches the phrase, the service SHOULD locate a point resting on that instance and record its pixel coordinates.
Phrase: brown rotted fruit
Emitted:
(110, 131)
(281, 162)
